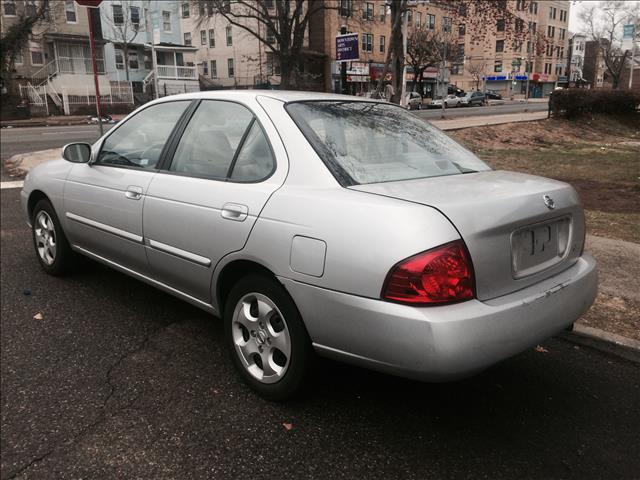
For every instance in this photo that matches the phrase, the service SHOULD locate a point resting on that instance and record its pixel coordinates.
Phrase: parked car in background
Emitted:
(471, 99)
(320, 223)
(413, 101)
(449, 102)
(493, 95)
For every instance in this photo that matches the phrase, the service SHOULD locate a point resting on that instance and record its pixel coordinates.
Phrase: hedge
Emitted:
(572, 103)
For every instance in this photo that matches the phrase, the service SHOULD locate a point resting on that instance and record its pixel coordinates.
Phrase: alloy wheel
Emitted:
(45, 235)
(261, 337)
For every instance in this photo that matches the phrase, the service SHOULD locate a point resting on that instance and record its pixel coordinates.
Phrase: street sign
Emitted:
(347, 47)
(89, 3)
(628, 30)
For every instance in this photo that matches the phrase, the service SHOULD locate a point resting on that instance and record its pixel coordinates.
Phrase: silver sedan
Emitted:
(314, 223)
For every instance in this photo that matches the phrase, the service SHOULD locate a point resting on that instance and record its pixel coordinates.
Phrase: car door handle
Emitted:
(234, 211)
(133, 193)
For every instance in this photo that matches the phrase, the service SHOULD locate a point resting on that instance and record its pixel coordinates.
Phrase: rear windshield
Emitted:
(365, 142)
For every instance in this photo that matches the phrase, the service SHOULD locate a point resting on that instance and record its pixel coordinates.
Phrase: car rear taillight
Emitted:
(435, 277)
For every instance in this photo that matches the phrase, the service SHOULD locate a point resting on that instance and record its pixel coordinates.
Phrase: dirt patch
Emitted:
(607, 196)
(614, 314)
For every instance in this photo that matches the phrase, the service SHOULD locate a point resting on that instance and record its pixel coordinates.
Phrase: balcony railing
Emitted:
(176, 72)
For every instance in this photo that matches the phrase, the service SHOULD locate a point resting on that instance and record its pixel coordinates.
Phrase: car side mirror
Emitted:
(77, 152)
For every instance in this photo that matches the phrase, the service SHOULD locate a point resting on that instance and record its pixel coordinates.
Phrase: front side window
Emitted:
(214, 69)
(135, 16)
(37, 58)
(231, 68)
(499, 45)
(203, 37)
(187, 39)
(364, 142)
(185, 10)
(139, 141)
(134, 64)
(223, 140)
(382, 43)
(119, 59)
(212, 38)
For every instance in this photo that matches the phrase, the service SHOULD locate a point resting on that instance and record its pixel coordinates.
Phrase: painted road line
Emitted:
(6, 185)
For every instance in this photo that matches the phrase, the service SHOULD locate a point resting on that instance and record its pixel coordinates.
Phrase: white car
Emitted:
(449, 101)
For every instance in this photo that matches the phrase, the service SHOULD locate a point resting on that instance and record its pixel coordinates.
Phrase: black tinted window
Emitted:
(139, 141)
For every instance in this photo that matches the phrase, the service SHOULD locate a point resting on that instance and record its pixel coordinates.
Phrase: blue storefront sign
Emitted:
(520, 77)
(347, 47)
(498, 78)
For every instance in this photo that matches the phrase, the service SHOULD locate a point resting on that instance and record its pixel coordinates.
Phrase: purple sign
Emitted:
(347, 47)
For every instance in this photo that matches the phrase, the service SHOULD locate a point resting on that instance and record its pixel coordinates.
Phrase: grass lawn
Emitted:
(600, 158)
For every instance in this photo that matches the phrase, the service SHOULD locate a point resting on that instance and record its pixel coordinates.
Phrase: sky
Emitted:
(575, 25)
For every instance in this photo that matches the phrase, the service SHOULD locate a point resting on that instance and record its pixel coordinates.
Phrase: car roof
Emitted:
(282, 95)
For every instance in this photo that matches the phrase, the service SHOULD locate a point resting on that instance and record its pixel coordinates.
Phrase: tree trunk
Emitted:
(125, 60)
(397, 52)
(286, 71)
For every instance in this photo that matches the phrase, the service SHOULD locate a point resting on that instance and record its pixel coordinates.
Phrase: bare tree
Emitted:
(280, 26)
(124, 20)
(604, 22)
(426, 48)
(17, 34)
(477, 71)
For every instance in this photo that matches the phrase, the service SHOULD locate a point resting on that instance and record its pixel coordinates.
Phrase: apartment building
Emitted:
(536, 58)
(57, 56)
(226, 56)
(134, 25)
(575, 57)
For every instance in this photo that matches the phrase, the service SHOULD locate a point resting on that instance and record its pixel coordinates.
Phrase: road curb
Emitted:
(607, 342)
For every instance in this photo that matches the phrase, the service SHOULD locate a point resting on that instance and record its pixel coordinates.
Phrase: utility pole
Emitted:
(405, 25)
(92, 45)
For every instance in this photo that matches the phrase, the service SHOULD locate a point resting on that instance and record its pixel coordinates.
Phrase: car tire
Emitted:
(266, 337)
(50, 242)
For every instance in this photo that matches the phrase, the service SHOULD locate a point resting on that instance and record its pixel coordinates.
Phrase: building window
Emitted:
(18, 59)
(116, 12)
(133, 60)
(500, 25)
(446, 24)
(497, 67)
(367, 42)
(418, 19)
(561, 33)
(70, 11)
(559, 70)
(166, 21)
(409, 17)
(201, 9)
(9, 8)
(520, 4)
(346, 8)
(367, 11)
(462, 29)
(519, 25)
(30, 8)
(552, 13)
(547, 68)
(212, 38)
(551, 31)
(185, 10)
(135, 16)
(214, 69)
(230, 68)
(203, 37)
(271, 37)
(533, 8)
(431, 22)
(533, 26)
(37, 58)
(382, 43)
(383, 13)
(119, 59)
(229, 36)
(563, 15)
(269, 4)
(499, 46)
(273, 65)
(187, 39)
(205, 68)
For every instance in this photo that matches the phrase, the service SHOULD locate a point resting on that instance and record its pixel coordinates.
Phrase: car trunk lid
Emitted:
(519, 229)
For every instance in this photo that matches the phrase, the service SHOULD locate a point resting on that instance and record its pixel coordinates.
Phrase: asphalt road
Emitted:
(119, 380)
(481, 111)
(31, 139)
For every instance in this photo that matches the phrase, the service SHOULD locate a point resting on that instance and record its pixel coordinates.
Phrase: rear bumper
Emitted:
(448, 342)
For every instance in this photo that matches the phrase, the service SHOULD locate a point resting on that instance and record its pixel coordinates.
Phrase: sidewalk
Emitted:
(480, 121)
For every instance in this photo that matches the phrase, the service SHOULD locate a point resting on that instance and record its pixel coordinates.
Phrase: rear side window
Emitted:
(139, 142)
(223, 140)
